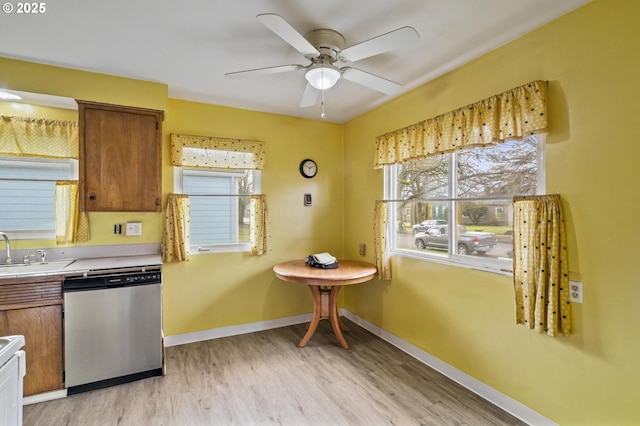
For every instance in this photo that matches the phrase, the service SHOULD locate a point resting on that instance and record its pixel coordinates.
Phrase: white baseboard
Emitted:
(216, 333)
(45, 396)
(501, 400)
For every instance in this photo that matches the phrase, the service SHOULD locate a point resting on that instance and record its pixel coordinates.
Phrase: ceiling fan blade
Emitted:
(402, 37)
(263, 71)
(286, 32)
(309, 96)
(371, 81)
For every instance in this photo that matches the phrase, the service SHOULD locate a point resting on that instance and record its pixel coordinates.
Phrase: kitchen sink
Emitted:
(15, 269)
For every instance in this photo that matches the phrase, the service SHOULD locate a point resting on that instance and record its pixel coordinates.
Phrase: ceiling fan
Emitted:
(323, 48)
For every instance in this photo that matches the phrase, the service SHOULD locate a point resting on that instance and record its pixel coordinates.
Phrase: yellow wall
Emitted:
(465, 317)
(218, 290)
(27, 110)
(75, 84)
(461, 316)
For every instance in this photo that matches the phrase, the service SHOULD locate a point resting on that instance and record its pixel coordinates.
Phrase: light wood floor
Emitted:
(265, 379)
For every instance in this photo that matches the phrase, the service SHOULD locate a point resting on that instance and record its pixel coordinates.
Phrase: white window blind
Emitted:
(220, 201)
(26, 194)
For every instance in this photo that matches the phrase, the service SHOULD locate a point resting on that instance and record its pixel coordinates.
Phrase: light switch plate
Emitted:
(134, 228)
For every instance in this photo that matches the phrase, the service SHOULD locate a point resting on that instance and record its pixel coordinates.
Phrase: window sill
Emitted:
(479, 264)
(221, 248)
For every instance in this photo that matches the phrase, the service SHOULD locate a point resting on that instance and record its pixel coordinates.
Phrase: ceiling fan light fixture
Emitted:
(322, 76)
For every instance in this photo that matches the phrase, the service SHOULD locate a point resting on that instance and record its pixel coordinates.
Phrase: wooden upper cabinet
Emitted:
(120, 153)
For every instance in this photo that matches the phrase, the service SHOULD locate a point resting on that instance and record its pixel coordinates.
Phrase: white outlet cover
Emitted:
(575, 291)
(134, 228)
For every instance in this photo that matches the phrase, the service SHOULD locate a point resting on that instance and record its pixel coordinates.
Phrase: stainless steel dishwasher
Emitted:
(112, 328)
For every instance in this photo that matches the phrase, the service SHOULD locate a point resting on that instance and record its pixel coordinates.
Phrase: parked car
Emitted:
(468, 242)
(425, 225)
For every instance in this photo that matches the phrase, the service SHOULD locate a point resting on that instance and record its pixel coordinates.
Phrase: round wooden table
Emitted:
(325, 285)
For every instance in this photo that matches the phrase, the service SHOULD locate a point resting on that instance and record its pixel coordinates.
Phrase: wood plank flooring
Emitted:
(265, 379)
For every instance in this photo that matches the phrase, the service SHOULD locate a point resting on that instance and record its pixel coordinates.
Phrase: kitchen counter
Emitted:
(84, 266)
(105, 263)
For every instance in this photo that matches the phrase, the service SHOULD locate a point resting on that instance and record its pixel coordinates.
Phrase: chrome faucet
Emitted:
(43, 256)
(7, 261)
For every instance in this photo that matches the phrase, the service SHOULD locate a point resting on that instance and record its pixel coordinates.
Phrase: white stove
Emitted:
(12, 371)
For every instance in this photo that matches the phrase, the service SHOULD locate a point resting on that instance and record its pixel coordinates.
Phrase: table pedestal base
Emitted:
(325, 285)
(325, 307)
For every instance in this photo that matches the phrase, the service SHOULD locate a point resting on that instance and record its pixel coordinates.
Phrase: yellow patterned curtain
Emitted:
(72, 225)
(177, 229)
(541, 272)
(513, 114)
(38, 137)
(259, 228)
(221, 153)
(381, 240)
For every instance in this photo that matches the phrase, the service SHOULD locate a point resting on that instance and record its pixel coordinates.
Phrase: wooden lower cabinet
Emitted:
(33, 308)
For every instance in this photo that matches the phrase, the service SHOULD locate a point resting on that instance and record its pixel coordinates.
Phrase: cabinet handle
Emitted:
(92, 196)
(157, 201)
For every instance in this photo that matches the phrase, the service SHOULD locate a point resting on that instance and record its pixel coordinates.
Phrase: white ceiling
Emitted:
(190, 45)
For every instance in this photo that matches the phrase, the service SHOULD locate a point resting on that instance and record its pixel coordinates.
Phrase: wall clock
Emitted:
(308, 168)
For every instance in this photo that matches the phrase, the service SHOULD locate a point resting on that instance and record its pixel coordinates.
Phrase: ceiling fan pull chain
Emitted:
(322, 115)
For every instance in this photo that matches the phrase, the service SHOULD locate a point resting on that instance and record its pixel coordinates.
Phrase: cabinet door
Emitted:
(120, 158)
(42, 331)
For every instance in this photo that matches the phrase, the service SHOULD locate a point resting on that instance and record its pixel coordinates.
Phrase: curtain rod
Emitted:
(31, 180)
(220, 195)
(430, 200)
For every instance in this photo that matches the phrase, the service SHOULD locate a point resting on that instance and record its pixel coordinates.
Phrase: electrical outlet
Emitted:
(134, 228)
(575, 291)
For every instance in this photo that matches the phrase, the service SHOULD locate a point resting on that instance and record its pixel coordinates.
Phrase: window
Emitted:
(27, 186)
(457, 207)
(220, 200)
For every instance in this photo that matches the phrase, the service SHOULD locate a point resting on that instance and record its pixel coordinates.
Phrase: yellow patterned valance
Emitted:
(513, 114)
(211, 152)
(38, 137)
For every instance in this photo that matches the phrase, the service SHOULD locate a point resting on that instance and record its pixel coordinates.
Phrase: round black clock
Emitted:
(308, 168)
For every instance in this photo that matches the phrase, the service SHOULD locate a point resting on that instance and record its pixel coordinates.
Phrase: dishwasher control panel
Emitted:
(135, 278)
(112, 279)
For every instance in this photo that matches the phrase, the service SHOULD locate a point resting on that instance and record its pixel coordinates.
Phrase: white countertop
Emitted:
(98, 263)
(80, 266)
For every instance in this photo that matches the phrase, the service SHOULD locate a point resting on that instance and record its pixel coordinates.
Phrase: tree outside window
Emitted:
(471, 188)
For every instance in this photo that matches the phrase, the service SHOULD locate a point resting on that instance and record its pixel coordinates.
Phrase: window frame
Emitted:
(39, 234)
(451, 257)
(178, 175)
